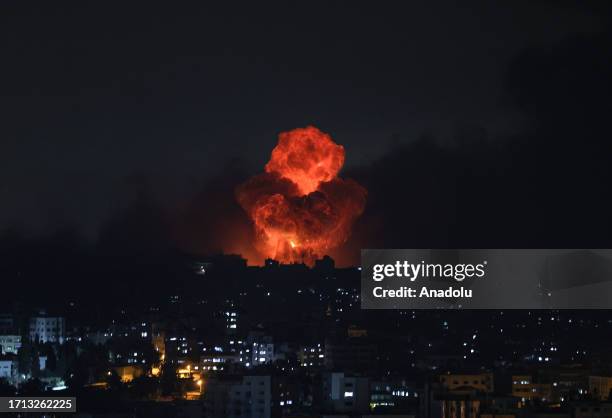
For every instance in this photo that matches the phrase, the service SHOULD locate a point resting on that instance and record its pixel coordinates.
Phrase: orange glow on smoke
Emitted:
(300, 208)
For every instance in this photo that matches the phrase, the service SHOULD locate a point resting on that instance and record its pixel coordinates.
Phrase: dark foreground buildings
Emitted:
(222, 339)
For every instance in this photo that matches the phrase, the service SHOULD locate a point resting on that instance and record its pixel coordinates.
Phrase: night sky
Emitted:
(100, 102)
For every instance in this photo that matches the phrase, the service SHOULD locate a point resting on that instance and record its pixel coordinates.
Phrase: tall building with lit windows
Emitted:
(312, 356)
(230, 316)
(262, 348)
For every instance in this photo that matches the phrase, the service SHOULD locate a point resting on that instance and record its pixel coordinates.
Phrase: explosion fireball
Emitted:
(300, 208)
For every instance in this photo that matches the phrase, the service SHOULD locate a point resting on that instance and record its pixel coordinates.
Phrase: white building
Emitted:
(48, 329)
(254, 397)
(8, 368)
(10, 344)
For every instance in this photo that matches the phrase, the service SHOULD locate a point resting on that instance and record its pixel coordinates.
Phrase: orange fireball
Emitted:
(300, 208)
(307, 157)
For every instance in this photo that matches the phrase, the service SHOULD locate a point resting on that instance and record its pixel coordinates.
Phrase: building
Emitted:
(353, 354)
(523, 387)
(460, 406)
(217, 361)
(312, 356)
(48, 329)
(600, 386)
(10, 344)
(473, 404)
(252, 398)
(262, 349)
(289, 395)
(230, 317)
(481, 382)
(8, 367)
(592, 410)
(393, 394)
(98, 337)
(7, 324)
(342, 393)
(249, 397)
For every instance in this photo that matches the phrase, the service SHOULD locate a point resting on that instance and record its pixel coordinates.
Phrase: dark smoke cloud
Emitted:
(546, 187)
(213, 222)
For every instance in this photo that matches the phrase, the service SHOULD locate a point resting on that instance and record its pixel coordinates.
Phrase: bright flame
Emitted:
(307, 157)
(300, 208)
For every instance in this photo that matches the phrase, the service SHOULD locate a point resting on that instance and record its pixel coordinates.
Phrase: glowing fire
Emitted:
(307, 157)
(300, 208)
